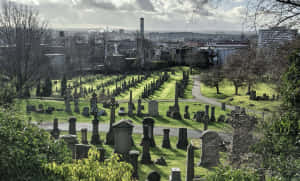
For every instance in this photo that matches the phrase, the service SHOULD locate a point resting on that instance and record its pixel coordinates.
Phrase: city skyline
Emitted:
(160, 15)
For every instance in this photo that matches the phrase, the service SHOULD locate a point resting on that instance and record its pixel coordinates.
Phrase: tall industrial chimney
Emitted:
(142, 28)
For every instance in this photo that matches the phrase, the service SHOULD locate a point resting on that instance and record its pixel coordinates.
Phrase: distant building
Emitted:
(276, 35)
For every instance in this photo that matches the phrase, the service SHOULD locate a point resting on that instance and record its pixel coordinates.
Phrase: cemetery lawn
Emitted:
(175, 158)
(228, 92)
(162, 120)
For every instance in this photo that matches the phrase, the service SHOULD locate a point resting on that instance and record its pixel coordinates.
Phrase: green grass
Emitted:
(162, 120)
(175, 158)
(228, 92)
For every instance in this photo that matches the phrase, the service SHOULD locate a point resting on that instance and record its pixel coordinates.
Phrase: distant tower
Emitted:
(142, 48)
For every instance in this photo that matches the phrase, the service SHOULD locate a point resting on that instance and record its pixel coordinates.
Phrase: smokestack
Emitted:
(142, 28)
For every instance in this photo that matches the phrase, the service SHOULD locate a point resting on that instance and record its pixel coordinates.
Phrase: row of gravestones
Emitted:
(40, 109)
(265, 97)
(125, 86)
(149, 89)
(212, 144)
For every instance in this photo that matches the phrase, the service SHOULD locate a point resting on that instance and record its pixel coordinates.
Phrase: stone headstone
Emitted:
(207, 110)
(200, 116)
(153, 108)
(186, 113)
(93, 104)
(146, 157)
(190, 163)
(139, 108)
(110, 135)
(221, 119)
(212, 116)
(68, 100)
(72, 125)
(102, 154)
(71, 141)
(55, 132)
(175, 174)
(223, 106)
(153, 176)
(133, 158)
(130, 107)
(86, 112)
(76, 103)
(122, 111)
(182, 142)
(122, 132)
(211, 142)
(242, 136)
(161, 161)
(148, 123)
(84, 139)
(95, 133)
(166, 139)
(81, 151)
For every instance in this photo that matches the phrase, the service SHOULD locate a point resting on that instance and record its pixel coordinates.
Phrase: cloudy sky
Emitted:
(160, 15)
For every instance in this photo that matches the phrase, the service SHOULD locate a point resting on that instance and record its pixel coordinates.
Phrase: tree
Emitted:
(25, 149)
(213, 78)
(21, 31)
(91, 169)
(273, 13)
(63, 85)
(280, 146)
(234, 70)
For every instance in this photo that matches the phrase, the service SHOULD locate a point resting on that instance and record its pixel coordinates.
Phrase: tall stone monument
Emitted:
(110, 134)
(94, 111)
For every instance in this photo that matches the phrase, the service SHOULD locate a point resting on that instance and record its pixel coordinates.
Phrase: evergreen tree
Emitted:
(63, 86)
(280, 146)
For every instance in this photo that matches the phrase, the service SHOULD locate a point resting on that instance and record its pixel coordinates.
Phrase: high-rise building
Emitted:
(275, 35)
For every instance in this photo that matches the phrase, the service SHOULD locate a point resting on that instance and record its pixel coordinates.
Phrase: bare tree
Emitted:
(213, 77)
(21, 32)
(273, 13)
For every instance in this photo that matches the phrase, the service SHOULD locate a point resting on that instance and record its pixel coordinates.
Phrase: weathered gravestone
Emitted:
(86, 112)
(212, 116)
(146, 157)
(153, 108)
(190, 163)
(71, 141)
(211, 146)
(161, 161)
(148, 123)
(55, 132)
(122, 111)
(139, 108)
(122, 133)
(84, 136)
(182, 142)
(72, 125)
(242, 136)
(166, 139)
(130, 105)
(186, 113)
(102, 154)
(174, 111)
(175, 174)
(110, 134)
(76, 102)
(199, 116)
(68, 100)
(223, 106)
(81, 151)
(94, 111)
(133, 159)
(153, 176)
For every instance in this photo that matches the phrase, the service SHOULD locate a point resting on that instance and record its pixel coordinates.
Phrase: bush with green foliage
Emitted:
(229, 174)
(7, 95)
(25, 149)
(280, 146)
(91, 169)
